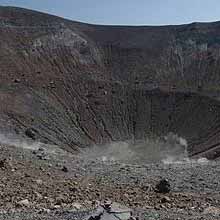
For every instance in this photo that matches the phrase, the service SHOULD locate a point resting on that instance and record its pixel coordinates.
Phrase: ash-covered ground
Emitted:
(43, 182)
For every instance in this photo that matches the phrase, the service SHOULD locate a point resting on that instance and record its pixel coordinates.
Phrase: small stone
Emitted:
(165, 199)
(148, 207)
(76, 206)
(41, 149)
(31, 133)
(41, 168)
(56, 206)
(17, 80)
(5, 164)
(23, 202)
(65, 169)
(43, 210)
(39, 182)
(59, 200)
(26, 175)
(72, 189)
(38, 195)
(107, 205)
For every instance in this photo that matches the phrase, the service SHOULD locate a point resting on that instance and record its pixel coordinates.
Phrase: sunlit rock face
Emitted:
(79, 85)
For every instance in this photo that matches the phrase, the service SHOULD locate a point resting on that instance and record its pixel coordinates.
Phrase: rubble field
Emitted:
(53, 184)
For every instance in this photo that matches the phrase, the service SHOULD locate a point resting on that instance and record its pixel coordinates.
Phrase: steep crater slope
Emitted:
(77, 84)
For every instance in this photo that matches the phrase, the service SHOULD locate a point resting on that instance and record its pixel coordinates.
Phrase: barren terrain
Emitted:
(90, 113)
(42, 184)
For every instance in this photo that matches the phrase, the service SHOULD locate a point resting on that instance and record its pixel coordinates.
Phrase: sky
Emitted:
(127, 12)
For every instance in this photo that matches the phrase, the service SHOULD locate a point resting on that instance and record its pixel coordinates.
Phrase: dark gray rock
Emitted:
(163, 186)
(65, 169)
(31, 133)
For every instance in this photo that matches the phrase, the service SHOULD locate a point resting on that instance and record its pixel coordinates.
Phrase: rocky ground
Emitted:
(39, 183)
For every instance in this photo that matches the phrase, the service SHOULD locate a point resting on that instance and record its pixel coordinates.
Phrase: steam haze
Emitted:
(153, 150)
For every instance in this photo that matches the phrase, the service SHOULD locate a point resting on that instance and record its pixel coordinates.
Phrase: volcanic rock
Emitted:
(31, 133)
(65, 169)
(111, 211)
(22, 203)
(163, 186)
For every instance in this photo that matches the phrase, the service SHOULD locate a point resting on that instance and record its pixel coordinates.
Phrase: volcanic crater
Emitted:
(76, 85)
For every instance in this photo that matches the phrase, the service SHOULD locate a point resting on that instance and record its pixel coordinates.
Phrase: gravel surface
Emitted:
(52, 184)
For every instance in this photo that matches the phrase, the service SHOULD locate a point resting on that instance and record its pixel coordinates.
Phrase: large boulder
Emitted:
(111, 211)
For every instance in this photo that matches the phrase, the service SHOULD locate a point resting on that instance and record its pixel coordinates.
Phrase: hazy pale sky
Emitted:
(130, 12)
